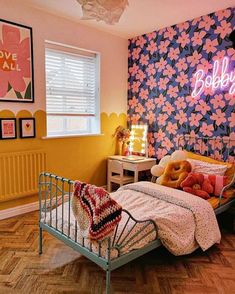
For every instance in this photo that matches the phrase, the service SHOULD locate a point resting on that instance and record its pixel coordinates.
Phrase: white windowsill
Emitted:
(71, 136)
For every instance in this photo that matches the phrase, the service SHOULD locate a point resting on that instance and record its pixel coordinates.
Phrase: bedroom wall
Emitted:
(161, 67)
(81, 158)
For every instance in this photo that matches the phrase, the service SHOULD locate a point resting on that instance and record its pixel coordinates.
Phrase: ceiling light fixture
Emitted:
(108, 11)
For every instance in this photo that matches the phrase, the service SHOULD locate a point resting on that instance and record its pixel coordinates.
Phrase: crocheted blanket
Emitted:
(96, 212)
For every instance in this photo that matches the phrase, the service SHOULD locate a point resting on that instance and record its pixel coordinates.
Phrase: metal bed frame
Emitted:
(55, 191)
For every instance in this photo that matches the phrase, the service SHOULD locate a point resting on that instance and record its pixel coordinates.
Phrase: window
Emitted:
(72, 98)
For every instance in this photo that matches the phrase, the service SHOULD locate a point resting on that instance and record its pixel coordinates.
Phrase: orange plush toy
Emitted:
(175, 172)
(198, 185)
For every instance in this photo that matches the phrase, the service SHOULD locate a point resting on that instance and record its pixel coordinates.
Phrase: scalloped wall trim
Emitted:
(82, 158)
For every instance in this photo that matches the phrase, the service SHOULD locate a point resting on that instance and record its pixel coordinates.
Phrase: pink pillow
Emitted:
(203, 167)
(218, 182)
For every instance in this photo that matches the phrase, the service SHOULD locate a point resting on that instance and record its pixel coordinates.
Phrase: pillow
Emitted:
(203, 167)
(218, 182)
(230, 166)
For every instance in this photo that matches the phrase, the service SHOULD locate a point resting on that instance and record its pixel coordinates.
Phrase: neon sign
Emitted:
(219, 79)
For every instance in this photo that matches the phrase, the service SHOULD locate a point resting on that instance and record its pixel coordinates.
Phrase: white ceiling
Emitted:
(141, 16)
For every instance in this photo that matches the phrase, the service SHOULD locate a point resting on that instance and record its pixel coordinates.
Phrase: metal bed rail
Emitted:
(55, 197)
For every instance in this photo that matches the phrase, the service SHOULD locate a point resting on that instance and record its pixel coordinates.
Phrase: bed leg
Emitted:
(40, 241)
(108, 276)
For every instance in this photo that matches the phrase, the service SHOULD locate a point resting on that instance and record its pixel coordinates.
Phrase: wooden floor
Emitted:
(61, 270)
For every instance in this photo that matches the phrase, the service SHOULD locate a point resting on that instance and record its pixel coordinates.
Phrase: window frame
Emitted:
(93, 121)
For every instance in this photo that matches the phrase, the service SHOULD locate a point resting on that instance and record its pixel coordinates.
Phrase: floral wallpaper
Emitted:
(161, 78)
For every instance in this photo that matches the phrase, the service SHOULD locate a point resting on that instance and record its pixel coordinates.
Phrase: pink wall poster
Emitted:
(16, 63)
(7, 128)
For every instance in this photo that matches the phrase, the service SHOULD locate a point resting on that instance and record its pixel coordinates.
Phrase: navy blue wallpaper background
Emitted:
(161, 78)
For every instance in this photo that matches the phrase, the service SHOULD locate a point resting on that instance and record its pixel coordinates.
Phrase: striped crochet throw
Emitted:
(96, 212)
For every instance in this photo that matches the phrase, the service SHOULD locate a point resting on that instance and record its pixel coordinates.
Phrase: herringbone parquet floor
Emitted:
(61, 270)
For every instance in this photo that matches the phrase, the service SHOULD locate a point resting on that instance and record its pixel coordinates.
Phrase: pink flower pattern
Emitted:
(218, 101)
(183, 39)
(207, 130)
(206, 22)
(182, 79)
(194, 58)
(161, 77)
(180, 103)
(198, 38)
(194, 119)
(210, 45)
(163, 46)
(224, 29)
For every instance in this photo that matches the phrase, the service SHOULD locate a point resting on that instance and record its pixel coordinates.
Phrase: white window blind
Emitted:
(70, 83)
(72, 95)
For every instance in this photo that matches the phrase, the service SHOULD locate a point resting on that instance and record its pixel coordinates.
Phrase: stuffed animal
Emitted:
(175, 172)
(158, 169)
(198, 185)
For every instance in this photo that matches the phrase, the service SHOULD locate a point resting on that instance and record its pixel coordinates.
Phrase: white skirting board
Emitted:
(14, 211)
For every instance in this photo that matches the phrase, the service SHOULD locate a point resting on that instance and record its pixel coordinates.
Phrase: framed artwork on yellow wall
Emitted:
(16, 62)
(7, 128)
(27, 128)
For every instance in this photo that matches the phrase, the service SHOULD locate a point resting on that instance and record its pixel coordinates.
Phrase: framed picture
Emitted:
(16, 62)
(27, 128)
(7, 128)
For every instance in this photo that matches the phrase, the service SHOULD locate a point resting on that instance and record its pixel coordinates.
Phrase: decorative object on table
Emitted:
(16, 62)
(7, 128)
(27, 128)
(123, 136)
(138, 140)
(103, 10)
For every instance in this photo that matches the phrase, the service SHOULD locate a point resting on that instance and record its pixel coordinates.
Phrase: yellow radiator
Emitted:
(19, 173)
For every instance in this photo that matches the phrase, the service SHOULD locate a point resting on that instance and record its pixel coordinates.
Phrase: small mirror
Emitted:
(138, 140)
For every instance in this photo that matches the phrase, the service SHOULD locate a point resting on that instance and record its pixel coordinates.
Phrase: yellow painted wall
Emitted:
(82, 158)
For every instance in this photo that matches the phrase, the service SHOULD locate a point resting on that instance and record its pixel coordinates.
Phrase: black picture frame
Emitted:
(30, 89)
(4, 137)
(24, 135)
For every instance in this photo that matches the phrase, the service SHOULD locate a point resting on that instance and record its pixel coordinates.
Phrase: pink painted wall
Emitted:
(46, 26)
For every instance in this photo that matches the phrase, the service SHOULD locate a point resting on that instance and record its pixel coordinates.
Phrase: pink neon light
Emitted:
(220, 78)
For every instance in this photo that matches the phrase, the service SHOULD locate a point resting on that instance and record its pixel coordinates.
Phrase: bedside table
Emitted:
(136, 166)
